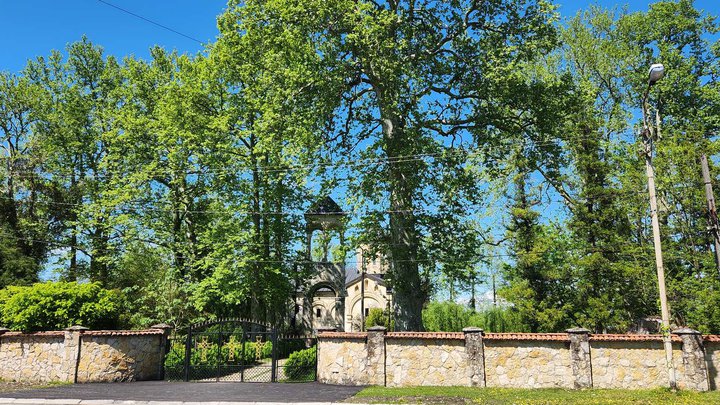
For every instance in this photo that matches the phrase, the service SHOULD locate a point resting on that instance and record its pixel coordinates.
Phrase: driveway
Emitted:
(162, 391)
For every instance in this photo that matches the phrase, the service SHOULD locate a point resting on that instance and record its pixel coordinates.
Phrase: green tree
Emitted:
(409, 79)
(22, 220)
(59, 305)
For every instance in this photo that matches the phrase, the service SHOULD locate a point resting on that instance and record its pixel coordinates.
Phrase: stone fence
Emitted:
(80, 355)
(576, 359)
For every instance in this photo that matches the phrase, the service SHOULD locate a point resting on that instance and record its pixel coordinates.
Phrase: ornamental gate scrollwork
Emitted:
(238, 350)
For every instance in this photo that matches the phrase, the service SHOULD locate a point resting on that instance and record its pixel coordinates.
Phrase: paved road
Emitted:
(146, 391)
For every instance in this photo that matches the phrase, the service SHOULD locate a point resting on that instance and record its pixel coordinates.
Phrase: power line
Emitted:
(146, 205)
(151, 21)
(355, 163)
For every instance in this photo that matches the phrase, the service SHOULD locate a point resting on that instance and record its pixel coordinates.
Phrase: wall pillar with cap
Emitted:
(376, 355)
(72, 347)
(580, 357)
(693, 360)
(476, 356)
(164, 347)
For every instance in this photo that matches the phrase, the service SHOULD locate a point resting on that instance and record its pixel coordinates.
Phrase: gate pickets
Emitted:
(237, 350)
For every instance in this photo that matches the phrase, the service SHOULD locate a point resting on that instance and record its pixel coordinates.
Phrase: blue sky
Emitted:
(33, 28)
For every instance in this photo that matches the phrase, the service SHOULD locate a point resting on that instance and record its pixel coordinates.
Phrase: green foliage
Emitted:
(300, 366)
(379, 317)
(58, 305)
(453, 317)
(16, 268)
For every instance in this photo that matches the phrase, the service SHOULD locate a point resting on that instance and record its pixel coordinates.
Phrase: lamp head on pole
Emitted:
(657, 72)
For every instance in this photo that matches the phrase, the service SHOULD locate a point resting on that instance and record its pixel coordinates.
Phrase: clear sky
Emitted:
(33, 28)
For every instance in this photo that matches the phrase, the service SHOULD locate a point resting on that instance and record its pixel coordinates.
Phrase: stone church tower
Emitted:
(321, 301)
(332, 296)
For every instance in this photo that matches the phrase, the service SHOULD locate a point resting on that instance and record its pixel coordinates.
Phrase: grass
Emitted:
(497, 396)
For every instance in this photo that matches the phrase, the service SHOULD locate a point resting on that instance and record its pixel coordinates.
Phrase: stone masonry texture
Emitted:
(433, 362)
(693, 360)
(580, 357)
(712, 355)
(81, 356)
(343, 361)
(576, 360)
(528, 364)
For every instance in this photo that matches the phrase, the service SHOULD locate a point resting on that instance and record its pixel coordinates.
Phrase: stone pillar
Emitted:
(72, 347)
(580, 357)
(476, 356)
(376, 355)
(693, 357)
(164, 347)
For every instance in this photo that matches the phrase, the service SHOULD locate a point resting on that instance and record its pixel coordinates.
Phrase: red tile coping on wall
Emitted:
(122, 332)
(342, 335)
(57, 333)
(53, 333)
(426, 335)
(555, 337)
(612, 337)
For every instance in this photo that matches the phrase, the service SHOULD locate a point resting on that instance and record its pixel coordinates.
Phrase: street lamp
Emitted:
(657, 72)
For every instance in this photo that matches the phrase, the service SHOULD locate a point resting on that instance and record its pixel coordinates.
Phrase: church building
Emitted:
(338, 296)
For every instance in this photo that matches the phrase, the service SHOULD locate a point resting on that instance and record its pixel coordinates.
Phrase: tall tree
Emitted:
(22, 222)
(411, 78)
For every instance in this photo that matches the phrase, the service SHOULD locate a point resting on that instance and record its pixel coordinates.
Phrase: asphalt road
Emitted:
(192, 392)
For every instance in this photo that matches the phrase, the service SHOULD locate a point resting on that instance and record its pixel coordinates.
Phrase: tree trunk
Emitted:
(408, 293)
(256, 283)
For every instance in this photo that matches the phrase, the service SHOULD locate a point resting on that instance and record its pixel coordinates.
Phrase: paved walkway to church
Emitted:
(176, 393)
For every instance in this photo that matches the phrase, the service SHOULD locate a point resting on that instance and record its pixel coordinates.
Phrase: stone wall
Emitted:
(576, 359)
(344, 360)
(527, 364)
(631, 364)
(80, 355)
(37, 357)
(412, 361)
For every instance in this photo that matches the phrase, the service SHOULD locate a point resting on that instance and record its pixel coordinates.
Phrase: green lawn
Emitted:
(466, 395)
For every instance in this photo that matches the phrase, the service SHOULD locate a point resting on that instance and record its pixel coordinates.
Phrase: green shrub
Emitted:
(58, 305)
(288, 346)
(300, 366)
(378, 317)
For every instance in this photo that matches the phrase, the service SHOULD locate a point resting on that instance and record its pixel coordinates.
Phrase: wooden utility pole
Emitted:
(648, 136)
(713, 218)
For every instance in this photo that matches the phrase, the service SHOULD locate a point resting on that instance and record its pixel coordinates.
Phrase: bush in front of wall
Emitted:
(58, 305)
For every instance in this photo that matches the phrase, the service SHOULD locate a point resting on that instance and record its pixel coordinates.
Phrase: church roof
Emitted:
(325, 206)
(352, 276)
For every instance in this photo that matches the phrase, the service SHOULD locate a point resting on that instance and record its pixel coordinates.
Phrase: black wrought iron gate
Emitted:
(240, 350)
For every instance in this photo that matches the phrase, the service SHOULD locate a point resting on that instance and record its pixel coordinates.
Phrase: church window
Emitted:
(318, 312)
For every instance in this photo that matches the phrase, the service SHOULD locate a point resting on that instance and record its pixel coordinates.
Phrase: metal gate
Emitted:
(240, 350)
